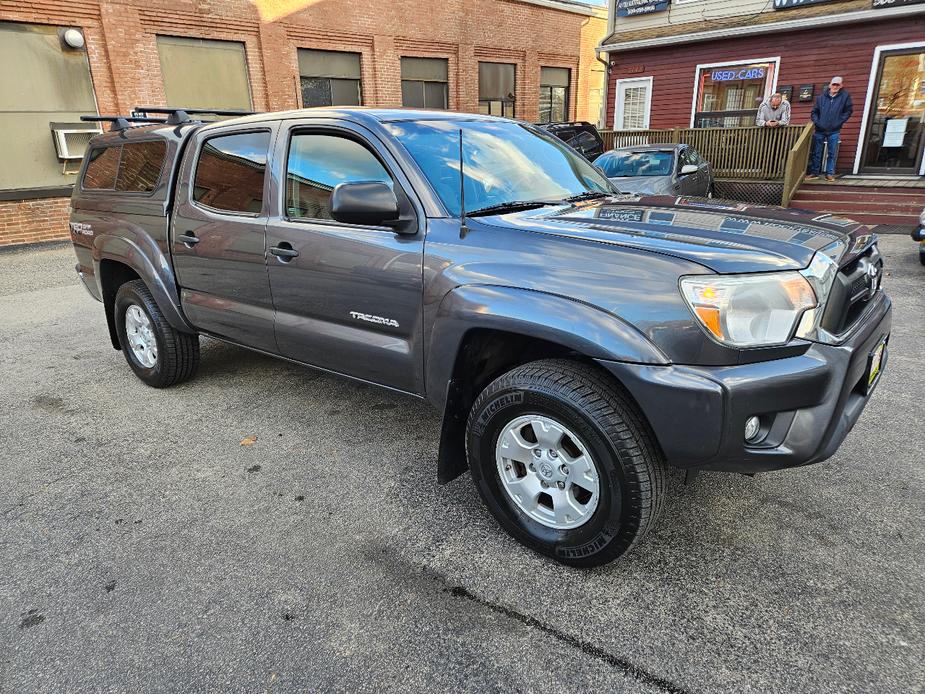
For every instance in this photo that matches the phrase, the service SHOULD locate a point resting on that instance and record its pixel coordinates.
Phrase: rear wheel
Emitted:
(158, 354)
(565, 462)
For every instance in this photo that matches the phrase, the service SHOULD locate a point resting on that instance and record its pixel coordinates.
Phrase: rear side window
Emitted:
(230, 172)
(134, 167)
(317, 163)
(140, 167)
(102, 168)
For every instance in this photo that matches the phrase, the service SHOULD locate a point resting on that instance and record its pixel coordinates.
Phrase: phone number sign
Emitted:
(629, 8)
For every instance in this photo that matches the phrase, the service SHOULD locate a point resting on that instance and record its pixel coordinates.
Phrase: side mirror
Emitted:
(688, 169)
(370, 203)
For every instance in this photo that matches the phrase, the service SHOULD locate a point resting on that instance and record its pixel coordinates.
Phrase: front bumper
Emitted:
(807, 403)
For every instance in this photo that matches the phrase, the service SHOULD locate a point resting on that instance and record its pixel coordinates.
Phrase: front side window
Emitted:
(424, 82)
(317, 163)
(554, 83)
(230, 172)
(729, 95)
(502, 162)
(496, 89)
(624, 164)
(329, 78)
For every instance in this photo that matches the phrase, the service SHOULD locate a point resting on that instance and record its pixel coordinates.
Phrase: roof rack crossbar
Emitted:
(121, 122)
(182, 115)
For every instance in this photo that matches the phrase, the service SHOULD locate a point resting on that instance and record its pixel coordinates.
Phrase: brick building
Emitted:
(531, 59)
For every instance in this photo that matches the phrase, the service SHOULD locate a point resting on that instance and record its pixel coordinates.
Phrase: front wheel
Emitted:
(565, 462)
(158, 354)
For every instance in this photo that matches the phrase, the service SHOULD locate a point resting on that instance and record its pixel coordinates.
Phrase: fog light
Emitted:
(752, 427)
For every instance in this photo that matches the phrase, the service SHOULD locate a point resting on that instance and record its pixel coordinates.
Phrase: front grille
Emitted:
(856, 284)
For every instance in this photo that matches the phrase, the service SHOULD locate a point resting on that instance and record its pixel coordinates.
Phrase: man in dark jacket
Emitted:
(833, 107)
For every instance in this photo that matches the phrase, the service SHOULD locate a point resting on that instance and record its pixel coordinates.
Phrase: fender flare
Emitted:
(580, 327)
(586, 329)
(144, 256)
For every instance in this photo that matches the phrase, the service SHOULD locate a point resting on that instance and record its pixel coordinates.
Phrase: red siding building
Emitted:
(668, 73)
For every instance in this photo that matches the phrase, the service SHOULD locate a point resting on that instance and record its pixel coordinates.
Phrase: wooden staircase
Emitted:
(866, 202)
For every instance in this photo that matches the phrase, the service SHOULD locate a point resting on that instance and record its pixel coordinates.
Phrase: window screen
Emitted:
(102, 168)
(140, 166)
(329, 78)
(496, 89)
(201, 73)
(230, 172)
(319, 162)
(424, 82)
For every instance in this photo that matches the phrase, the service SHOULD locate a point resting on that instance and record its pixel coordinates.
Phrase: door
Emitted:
(348, 297)
(894, 139)
(634, 101)
(218, 238)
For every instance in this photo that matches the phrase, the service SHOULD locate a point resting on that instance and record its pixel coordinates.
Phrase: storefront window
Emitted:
(729, 95)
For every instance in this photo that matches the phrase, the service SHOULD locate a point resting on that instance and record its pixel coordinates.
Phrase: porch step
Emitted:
(867, 204)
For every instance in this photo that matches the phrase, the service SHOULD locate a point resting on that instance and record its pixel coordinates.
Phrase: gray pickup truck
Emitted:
(575, 339)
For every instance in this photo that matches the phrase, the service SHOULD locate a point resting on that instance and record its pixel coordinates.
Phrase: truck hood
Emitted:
(722, 235)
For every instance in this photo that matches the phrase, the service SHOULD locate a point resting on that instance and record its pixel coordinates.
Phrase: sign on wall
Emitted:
(790, 4)
(878, 4)
(629, 8)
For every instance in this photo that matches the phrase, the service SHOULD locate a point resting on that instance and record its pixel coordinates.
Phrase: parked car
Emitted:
(578, 134)
(660, 169)
(918, 234)
(575, 340)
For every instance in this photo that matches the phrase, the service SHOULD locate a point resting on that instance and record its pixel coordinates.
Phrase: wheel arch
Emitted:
(481, 332)
(119, 260)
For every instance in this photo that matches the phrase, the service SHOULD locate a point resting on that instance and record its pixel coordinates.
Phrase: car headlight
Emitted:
(749, 310)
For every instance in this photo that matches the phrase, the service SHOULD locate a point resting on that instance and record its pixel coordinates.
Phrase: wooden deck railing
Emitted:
(797, 159)
(737, 153)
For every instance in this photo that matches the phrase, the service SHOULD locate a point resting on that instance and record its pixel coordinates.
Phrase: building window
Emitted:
(633, 104)
(554, 83)
(496, 89)
(200, 73)
(329, 78)
(43, 85)
(424, 82)
(729, 95)
(317, 163)
(230, 172)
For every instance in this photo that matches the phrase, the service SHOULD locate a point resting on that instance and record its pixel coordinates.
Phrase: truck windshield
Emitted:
(504, 162)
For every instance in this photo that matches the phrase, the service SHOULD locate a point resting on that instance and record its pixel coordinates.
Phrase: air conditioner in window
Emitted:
(72, 143)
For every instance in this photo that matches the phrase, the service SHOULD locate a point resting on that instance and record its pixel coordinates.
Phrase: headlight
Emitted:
(749, 310)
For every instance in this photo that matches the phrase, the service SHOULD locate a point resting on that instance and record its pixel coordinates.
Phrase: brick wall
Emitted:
(32, 221)
(125, 68)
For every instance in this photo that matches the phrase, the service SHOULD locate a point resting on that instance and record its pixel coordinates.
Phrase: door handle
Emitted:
(189, 238)
(285, 252)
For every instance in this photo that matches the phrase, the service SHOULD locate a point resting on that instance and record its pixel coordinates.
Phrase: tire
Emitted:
(922, 258)
(176, 356)
(601, 422)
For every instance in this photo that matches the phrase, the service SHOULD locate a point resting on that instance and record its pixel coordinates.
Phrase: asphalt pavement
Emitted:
(143, 548)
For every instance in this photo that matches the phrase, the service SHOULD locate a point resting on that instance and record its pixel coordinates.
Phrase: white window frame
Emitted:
(618, 106)
(768, 90)
(874, 65)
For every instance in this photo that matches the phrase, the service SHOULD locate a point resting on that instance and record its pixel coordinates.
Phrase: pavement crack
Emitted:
(639, 674)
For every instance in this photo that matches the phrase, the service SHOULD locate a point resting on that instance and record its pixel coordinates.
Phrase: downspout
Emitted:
(602, 116)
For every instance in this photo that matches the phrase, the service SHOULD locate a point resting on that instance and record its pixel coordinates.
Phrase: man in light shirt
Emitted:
(773, 112)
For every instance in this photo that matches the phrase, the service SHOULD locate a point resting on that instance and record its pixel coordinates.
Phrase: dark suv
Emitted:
(581, 135)
(574, 339)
